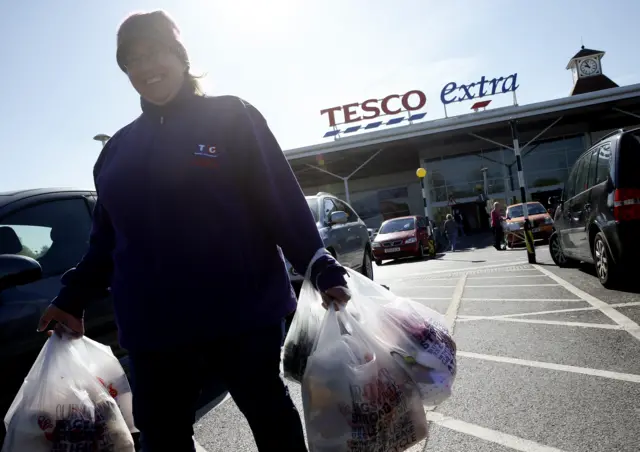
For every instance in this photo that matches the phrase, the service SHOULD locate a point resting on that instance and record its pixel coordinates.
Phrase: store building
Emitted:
(469, 158)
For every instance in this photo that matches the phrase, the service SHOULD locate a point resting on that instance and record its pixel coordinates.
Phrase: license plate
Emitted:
(536, 230)
(392, 250)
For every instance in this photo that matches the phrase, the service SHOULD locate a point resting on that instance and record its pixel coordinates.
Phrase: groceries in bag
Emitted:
(415, 335)
(422, 344)
(356, 396)
(62, 406)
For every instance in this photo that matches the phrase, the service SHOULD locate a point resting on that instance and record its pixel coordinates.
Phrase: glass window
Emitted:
(344, 207)
(604, 159)
(55, 233)
(399, 225)
(533, 208)
(312, 202)
(329, 208)
(586, 172)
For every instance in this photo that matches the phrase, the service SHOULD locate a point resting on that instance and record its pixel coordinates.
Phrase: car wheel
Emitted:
(606, 269)
(367, 265)
(557, 253)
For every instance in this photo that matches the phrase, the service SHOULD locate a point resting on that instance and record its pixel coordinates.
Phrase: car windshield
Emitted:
(404, 224)
(535, 208)
(313, 206)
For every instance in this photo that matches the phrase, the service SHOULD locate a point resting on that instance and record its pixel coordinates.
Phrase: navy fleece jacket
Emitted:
(195, 203)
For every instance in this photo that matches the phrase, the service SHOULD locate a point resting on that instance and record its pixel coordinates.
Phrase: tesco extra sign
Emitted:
(372, 108)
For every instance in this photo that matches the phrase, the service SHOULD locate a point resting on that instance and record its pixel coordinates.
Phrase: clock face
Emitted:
(588, 66)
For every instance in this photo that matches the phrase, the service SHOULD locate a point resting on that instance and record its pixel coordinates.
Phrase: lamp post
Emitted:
(102, 138)
(422, 173)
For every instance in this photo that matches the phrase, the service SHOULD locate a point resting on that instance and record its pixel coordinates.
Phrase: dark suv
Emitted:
(598, 216)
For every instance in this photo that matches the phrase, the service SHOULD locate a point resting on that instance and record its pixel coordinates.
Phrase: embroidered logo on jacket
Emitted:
(206, 156)
(206, 151)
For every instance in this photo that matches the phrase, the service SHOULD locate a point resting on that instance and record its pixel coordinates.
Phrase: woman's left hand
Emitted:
(339, 296)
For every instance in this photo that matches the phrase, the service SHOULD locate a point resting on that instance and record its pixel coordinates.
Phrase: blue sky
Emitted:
(290, 58)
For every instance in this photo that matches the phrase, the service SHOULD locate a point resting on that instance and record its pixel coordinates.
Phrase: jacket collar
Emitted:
(184, 97)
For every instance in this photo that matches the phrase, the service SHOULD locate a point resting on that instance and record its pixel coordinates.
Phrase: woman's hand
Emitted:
(66, 323)
(338, 296)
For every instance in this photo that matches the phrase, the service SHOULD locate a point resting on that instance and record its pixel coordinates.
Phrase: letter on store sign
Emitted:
(448, 89)
(371, 105)
(348, 113)
(385, 103)
(332, 114)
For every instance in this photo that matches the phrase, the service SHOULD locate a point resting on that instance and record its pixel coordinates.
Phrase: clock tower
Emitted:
(586, 68)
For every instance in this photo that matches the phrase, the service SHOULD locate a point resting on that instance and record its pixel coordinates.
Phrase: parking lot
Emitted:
(548, 360)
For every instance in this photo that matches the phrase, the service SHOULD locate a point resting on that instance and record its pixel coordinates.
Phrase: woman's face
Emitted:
(154, 71)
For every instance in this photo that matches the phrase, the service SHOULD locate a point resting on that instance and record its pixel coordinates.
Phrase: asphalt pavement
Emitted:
(548, 360)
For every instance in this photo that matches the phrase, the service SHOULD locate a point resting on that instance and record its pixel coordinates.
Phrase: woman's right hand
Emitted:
(66, 323)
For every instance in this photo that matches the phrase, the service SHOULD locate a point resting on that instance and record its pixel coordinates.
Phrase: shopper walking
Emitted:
(496, 225)
(451, 229)
(199, 286)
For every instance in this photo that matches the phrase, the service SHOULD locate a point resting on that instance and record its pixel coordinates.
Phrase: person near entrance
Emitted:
(496, 226)
(460, 222)
(451, 229)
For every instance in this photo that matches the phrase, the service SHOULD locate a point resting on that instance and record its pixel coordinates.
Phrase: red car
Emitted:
(403, 237)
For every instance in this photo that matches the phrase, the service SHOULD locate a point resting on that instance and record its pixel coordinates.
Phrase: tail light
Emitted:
(626, 204)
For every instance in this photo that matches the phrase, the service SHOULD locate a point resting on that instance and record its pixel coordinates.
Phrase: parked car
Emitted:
(403, 237)
(344, 234)
(598, 215)
(43, 233)
(541, 223)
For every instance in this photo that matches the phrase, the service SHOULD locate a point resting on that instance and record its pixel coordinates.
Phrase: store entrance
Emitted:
(474, 216)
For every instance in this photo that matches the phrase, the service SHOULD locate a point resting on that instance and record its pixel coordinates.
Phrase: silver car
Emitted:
(344, 234)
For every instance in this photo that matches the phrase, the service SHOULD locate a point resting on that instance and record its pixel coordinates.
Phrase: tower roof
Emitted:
(584, 53)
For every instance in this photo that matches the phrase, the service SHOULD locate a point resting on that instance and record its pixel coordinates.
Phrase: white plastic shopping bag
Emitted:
(356, 395)
(415, 335)
(63, 406)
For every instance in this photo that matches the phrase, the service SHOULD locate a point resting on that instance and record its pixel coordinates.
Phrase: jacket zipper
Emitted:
(161, 120)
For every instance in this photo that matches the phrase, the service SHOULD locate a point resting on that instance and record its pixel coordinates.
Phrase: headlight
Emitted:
(548, 220)
(411, 240)
(375, 245)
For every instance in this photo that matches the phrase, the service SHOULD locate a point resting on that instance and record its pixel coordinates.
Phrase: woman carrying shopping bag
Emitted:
(199, 286)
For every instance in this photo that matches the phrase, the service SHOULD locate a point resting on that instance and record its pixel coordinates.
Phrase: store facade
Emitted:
(470, 159)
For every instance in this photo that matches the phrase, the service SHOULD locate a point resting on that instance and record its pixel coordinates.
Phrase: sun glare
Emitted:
(263, 17)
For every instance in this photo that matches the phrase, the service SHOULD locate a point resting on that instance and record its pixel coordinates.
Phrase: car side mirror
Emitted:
(338, 218)
(17, 270)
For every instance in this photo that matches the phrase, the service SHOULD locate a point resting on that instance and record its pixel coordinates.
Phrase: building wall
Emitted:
(378, 198)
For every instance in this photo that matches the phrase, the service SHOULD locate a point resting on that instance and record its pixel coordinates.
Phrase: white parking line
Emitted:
(604, 326)
(521, 299)
(502, 286)
(487, 434)
(473, 278)
(554, 311)
(456, 270)
(627, 324)
(452, 311)
(551, 366)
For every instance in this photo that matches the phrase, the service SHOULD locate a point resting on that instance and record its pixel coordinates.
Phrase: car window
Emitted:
(586, 172)
(399, 225)
(570, 186)
(604, 159)
(55, 233)
(343, 206)
(329, 208)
